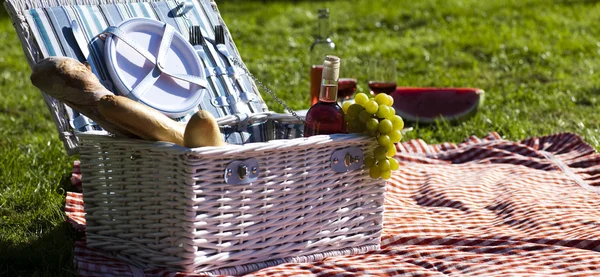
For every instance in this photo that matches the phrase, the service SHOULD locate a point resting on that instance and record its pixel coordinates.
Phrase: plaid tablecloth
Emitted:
(485, 207)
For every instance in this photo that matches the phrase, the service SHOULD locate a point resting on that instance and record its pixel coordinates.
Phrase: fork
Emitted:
(222, 48)
(220, 43)
(196, 38)
(197, 41)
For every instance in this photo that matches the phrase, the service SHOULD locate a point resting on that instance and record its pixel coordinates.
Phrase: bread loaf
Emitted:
(74, 84)
(141, 120)
(202, 130)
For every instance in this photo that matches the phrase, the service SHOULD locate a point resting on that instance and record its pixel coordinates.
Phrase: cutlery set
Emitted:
(230, 68)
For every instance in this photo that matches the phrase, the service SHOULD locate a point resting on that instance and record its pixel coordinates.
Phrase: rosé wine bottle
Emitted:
(326, 116)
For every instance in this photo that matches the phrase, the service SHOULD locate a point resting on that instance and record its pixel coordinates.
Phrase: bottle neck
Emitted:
(323, 32)
(329, 91)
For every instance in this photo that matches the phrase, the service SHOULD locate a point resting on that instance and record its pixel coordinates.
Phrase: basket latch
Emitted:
(347, 159)
(242, 172)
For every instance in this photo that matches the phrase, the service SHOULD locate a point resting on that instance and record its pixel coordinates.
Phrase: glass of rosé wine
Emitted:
(381, 76)
(348, 81)
(346, 88)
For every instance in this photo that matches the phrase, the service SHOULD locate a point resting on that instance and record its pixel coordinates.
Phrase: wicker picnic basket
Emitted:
(270, 199)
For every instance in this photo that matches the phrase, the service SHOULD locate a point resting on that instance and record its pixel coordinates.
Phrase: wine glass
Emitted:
(346, 89)
(347, 83)
(382, 75)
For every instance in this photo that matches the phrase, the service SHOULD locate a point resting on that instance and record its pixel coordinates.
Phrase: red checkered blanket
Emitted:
(485, 207)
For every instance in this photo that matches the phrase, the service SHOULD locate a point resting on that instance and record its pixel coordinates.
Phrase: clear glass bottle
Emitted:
(321, 47)
(326, 116)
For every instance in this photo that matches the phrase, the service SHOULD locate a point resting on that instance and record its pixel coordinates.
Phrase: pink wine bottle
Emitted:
(326, 116)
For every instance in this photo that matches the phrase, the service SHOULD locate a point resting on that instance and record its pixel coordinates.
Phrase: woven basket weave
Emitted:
(160, 204)
(157, 204)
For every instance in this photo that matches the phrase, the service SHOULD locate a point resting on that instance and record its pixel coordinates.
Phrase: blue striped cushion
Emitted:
(51, 28)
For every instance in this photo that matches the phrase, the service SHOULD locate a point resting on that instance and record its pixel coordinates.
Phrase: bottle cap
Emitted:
(331, 67)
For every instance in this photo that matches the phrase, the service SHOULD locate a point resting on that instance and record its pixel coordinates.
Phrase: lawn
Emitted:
(538, 61)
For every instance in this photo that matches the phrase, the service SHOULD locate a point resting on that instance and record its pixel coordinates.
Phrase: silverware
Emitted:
(85, 51)
(197, 40)
(235, 63)
(80, 39)
(221, 46)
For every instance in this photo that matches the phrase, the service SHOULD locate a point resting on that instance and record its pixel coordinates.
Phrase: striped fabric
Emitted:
(484, 207)
(51, 28)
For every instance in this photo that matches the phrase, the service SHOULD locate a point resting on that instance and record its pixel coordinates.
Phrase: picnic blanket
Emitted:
(484, 207)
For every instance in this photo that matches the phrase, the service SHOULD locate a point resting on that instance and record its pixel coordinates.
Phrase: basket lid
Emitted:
(230, 92)
(151, 63)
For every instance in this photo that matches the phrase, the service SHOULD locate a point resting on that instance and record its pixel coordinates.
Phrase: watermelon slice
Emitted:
(426, 105)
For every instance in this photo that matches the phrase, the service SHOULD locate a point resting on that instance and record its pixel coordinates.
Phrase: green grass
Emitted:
(538, 62)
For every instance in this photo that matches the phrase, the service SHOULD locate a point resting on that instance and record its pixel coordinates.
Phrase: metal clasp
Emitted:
(347, 159)
(242, 172)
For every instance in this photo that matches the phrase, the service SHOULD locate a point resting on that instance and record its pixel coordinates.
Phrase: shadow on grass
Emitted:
(3, 13)
(595, 91)
(51, 255)
(281, 1)
(66, 185)
(577, 2)
(588, 99)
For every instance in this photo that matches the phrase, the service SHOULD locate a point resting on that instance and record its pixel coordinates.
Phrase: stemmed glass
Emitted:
(347, 83)
(382, 75)
(346, 89)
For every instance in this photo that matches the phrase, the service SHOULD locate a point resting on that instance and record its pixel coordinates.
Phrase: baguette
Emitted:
(141, 120)
(74, 84)
(202, 130)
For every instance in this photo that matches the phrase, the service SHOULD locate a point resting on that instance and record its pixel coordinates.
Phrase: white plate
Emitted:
(127, 67)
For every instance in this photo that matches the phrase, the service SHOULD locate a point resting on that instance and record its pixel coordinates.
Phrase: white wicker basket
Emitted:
(164, 205)
(217, 210)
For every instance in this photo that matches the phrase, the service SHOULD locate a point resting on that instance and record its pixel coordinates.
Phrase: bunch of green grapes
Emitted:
(377, 118)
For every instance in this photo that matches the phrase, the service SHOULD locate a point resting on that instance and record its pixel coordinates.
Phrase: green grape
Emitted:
(390, 100)
(384, 165)
(361, 99)
(385, 126)
(383, 111)
(347, 118)
(384, 140)
(372, 133)
(380, 153)
(385, 174)
(364, 116)
(355, 126)
(395, 136)
(397, 122)
(393, 164)
(354, 110)
(345, 106)
(371, 107)
(381, 99)
(391, 150)
(350, 129)
(350, 126)
(391, 113)
(372, 124)
(370, 161)
(374, 172)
